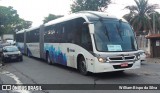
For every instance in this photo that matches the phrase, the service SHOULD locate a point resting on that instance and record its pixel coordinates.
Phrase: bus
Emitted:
(20, 36)
(89, 41)
(33, 42)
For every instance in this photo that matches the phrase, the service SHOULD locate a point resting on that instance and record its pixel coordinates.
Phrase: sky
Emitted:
(36, 10)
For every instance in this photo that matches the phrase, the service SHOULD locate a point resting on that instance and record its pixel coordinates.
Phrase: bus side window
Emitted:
(70, 31)
(86, 38)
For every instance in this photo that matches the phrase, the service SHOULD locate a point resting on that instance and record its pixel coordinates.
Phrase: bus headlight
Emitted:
(138, 57)
(102, 60)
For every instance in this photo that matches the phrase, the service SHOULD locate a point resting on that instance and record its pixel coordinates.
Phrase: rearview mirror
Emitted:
(91, 26)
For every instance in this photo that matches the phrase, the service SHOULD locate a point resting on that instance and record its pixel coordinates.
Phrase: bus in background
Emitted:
(89, 41)
(32, 42)
(20, 40)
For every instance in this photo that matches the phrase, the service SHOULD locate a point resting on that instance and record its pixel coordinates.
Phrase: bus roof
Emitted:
(31, 29)
(96, 14)
(88, 15)
(62, 19)
(21, 31)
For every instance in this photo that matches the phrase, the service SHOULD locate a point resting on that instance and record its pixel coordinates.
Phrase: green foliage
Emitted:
(140, 15)
(156, 16)
(93, 5)
(23, 24)
(51, 17)
(10, 21)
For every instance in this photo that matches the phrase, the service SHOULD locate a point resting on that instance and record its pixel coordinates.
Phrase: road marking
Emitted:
(17, 81)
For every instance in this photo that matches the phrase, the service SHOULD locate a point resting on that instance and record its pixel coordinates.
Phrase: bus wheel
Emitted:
(48, 59)
(82, 66)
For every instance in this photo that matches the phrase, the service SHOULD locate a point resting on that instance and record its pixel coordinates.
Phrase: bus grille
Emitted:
(121, 58)
(116, 58)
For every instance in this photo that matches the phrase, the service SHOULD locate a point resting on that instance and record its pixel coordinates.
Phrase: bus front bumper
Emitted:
(111, 67)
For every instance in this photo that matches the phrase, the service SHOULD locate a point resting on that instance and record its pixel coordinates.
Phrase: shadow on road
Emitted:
(106, 75)
(114, 75)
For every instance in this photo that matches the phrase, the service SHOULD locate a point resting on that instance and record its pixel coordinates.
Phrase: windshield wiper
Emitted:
(106, 32)
(119, 32)
(101, 20)
(105, 27)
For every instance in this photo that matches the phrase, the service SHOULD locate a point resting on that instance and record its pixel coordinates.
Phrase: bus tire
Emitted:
(48, 59)
(82, 66)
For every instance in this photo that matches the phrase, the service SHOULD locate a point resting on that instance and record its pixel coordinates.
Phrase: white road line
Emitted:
(17, 81)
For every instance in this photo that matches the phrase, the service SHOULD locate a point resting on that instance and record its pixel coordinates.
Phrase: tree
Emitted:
(94, 5)
(139, 15)
(51, 17)
(10, 21)
(155, 20)
(23, 24)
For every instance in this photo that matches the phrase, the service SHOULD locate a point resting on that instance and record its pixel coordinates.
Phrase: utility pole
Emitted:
(154, 32)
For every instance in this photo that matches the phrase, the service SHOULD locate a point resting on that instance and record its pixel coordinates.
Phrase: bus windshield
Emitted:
(114, 35)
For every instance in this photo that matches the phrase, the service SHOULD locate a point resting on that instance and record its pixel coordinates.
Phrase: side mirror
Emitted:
(91, 26)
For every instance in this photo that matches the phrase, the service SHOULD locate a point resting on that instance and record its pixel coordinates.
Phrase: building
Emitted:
(154, 45)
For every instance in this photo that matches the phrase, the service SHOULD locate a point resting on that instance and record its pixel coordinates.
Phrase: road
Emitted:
(35, 71)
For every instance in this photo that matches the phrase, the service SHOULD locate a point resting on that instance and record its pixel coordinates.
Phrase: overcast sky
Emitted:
(36, 10)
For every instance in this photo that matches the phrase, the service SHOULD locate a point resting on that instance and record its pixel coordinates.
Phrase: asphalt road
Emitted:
(35, 71)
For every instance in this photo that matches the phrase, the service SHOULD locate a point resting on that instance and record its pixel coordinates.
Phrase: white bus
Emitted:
(20, 36)
(33, 42)
(89, 41)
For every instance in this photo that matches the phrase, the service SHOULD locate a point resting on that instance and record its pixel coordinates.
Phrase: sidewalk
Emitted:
(153, 60)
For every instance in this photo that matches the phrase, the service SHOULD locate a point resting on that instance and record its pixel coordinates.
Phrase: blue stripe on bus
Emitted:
(56, 55)
(29, 51)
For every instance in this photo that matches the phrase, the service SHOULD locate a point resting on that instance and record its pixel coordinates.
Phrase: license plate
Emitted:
(124, 65)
